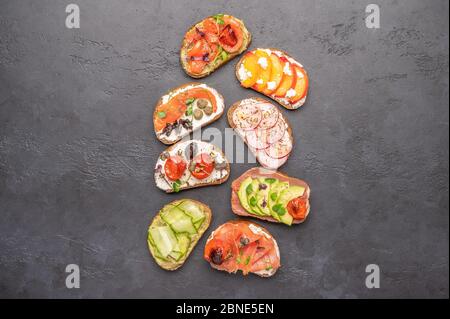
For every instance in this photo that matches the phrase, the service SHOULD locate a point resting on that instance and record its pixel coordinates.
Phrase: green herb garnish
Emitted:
(176, 186)
(247, 260)
(223, 55)
(270, 180)
(238, 259)
(161, 114)
(219, 18)
(279, 209)
(252, 201)
(189, 110)
(273, 196)
(269, 268)
(249, 189)
(189, 101)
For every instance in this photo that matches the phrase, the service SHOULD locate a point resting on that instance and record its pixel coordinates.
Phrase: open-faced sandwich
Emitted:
(212, 42)
(275, 74)
(270, 196)
(264, 129)
(190, 164)
(245, 246)
(185, 109)
(175, 231)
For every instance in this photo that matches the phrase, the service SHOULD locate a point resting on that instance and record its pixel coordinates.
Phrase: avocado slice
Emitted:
(251, 197)
(262, 197)
(285, 196)
(274, 193)
(244, 190)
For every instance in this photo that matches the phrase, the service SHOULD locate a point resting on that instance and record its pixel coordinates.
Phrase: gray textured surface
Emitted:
(77, 148)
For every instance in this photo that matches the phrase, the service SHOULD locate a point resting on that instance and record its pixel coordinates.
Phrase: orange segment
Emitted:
(249, 70)
(301, 85)
(289, 78)
(265, 70)
(276, 75)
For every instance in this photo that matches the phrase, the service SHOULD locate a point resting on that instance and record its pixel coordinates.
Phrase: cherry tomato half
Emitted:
(297, 207)
(204, 165)
(174, 167)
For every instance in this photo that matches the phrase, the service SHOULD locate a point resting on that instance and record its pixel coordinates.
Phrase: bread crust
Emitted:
(211, 68)
(157, 219)
(202, 184)
(194, 84)
(281, 101)
(235, 203)
(233, 107)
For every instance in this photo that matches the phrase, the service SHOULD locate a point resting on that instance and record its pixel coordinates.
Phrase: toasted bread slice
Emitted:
(290, 98)
(187, 181)
(157, 221)
(211, 66)
(256, 172)
(261, 155)
(184, 91)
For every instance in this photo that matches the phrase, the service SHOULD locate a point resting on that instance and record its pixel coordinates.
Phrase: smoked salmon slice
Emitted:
(245, 246)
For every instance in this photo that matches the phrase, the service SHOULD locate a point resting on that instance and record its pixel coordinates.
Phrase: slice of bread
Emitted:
(157, 220)
(211, 67)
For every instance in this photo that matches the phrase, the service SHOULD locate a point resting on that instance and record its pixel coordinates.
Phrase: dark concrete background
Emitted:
(77, 149)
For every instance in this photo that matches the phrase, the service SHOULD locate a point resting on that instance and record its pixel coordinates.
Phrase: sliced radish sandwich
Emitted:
(264, 129)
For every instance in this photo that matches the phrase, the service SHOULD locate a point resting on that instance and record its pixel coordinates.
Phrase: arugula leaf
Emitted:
(189, 101)
(219, 18)
(161, 114)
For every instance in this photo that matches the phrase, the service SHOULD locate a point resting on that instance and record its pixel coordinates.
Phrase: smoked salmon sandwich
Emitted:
(245, 246)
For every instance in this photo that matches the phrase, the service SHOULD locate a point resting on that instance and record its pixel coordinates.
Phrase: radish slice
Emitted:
(276, 133)
(256, 139)
(270, 116)
(281, 148)
(247, 116)
(269, 162)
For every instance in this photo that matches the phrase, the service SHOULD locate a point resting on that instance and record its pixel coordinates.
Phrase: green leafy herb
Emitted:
(219, 18)
(190, 100)
(247, 260)
(252, 201)
(189, 110)
(224, 55)
(281, 211)
(161, 114)
(273, 196)
(176, 186)
(249, 189)
(270, 180)
(238, 259)
(269, 268)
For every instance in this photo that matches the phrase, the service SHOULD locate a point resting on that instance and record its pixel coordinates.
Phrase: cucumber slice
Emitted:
(178, 221)
(199, 223)
(163, 239)
(176, 255)
(193, 210)
(183, 243)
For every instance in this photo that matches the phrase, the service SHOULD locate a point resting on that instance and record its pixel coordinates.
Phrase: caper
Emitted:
(208, 110)
(198, 114)
(202, 103)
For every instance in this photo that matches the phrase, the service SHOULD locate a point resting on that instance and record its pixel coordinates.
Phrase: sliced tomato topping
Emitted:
(231, 36)
(174, 167)
(204, 165)
(298, 207)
